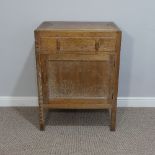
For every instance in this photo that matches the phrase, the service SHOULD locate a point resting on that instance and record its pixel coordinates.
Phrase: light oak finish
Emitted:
(77, 66)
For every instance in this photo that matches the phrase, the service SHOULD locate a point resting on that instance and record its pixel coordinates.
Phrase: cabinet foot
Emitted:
(113, 119)
(41, 118)
(42, 127)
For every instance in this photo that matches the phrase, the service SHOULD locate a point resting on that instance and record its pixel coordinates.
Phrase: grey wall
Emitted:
(18, 19)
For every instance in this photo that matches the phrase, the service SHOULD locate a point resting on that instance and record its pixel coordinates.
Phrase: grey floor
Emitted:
(77, 132)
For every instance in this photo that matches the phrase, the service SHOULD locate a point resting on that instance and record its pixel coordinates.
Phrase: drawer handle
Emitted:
(97, 45)
(58, 45)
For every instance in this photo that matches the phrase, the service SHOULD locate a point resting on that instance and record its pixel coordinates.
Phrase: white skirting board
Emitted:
(8, 101)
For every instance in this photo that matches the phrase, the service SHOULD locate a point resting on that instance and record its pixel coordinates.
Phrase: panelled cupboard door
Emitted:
(77, 66)
(80, 79)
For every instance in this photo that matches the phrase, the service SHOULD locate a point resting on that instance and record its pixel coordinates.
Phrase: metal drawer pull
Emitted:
(58, 45)
(97, 45)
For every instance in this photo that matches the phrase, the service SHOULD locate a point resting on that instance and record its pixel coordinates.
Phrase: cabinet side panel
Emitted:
(117, 64)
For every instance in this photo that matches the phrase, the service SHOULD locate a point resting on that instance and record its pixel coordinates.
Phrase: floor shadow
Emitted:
(65, 117)
(29, 114)
(78, 118)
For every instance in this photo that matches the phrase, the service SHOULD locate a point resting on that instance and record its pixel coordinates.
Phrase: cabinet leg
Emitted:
(41, 118)
(42, 127)
(113, 119)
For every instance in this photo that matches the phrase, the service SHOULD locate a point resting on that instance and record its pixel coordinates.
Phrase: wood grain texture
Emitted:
(80, 79)
(116, 78)
(85, 26)
(83, 45)
(66, 103)
(40, 91)
(78, 66)
(82, 57)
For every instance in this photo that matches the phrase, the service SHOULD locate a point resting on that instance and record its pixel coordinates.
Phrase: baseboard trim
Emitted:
(8, 101)
(136, 101)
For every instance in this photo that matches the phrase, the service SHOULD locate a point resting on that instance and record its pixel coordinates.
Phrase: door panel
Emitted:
(80, 79)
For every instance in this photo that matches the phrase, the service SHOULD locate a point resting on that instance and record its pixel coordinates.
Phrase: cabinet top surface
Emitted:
(79, 26)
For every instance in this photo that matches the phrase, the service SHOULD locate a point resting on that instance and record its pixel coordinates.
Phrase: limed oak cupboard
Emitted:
(77, 66)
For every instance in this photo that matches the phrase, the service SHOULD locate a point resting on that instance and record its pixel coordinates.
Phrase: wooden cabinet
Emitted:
(77, 66)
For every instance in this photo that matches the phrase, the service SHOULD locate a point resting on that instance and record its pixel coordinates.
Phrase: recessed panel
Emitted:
(79, 79)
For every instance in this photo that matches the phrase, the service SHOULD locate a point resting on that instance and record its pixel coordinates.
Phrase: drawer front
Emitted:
(77, 45)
